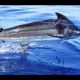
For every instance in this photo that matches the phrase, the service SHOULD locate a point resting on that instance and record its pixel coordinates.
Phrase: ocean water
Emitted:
(46, 55)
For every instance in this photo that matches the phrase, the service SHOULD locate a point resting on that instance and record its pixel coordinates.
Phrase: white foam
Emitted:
(9, 47)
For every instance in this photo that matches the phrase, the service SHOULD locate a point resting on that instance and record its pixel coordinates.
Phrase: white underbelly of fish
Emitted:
(28, 39)
(27, 36)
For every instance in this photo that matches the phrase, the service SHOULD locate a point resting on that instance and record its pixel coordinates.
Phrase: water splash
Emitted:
(10, 47)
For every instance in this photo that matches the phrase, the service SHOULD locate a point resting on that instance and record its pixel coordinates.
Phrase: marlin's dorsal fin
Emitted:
(63, 19)
(60, 16)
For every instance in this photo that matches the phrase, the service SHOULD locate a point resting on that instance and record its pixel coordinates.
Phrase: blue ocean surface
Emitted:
(45, 56)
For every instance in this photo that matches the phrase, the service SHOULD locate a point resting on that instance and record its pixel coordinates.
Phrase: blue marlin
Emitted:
(61, 27)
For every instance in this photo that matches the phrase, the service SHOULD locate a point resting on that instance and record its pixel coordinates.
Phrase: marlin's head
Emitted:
(65, 27)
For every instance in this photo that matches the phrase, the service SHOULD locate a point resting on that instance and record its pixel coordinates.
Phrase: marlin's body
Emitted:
(39, 28)
(24, 33)
(61, 28)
